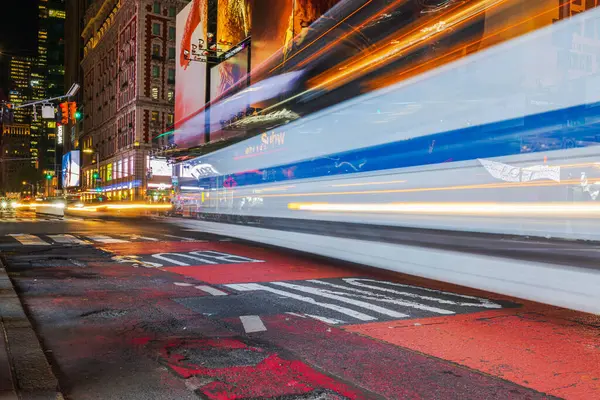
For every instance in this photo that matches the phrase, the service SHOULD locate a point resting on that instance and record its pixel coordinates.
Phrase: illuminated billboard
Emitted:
(71, 169)
(227, 79)
(190, 84)
(279, 25)
(160, 167)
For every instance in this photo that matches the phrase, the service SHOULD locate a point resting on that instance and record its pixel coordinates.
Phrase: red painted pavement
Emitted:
(551, 350)
(276, 266)
(381, 368)
(272, 377)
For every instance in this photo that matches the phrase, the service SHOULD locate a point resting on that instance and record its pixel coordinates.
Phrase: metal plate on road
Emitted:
(338, 301)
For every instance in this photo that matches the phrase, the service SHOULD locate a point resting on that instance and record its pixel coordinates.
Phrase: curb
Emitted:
(21, 353)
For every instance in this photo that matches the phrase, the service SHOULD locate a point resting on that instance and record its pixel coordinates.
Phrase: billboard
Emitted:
(190, 83)
(160, 167)
(71, 169)
(234, 19)
(228, 79)
(279, 25)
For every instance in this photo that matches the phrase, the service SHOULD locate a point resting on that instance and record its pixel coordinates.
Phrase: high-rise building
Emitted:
(75, 10)
(47, 81)
(128, 93)
(19, 92)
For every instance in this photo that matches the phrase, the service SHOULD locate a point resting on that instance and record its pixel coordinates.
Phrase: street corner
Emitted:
(230, 368)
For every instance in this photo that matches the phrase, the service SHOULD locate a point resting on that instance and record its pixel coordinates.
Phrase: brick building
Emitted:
(128, 72)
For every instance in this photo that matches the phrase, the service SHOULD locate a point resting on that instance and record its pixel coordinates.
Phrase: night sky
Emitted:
(18, 27)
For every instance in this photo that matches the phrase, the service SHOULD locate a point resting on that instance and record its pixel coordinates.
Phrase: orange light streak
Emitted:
(395, 76)
(396, 48)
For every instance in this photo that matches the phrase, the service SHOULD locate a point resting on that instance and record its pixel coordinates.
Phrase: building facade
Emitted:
(15, 167)
(19, 77)
(128, 71)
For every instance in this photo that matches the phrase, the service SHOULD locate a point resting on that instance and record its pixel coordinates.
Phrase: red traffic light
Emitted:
(73, 112)
(64, 112)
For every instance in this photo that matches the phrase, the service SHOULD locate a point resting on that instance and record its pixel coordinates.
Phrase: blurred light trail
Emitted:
(388, 79)
(331, 29)
(353, 31)
(433, 189)
(395, 48)
(501, 209)
(367, 183)
(121, 206)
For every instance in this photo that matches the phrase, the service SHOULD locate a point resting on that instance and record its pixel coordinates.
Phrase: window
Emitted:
(155, 93)
(171, 75)
(156, 29)
(156, 7)
(155, 71)
(171, 33)
(172, 11)
(171, 53)
(170, 95)
(170, 119)
(154, 116)
(156, 50)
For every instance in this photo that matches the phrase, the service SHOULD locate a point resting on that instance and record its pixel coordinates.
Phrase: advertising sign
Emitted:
(160, 167)
(71, 169)
(190, 86)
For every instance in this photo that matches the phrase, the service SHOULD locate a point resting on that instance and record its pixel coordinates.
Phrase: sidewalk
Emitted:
(24, 371)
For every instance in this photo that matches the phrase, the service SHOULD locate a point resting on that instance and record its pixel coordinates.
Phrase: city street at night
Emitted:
(300, 199)
(143, 309)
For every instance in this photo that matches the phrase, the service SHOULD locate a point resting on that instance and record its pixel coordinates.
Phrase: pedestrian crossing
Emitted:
(82, 239)
(37, 220)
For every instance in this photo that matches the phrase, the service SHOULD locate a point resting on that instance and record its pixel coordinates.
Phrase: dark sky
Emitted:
(18, 27)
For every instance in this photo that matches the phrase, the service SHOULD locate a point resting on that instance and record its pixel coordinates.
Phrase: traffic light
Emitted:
(73, 112)
(95, 175)
(78, 115)
(48, 176)
(64, 113)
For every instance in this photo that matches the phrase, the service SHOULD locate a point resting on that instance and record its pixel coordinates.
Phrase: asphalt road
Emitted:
(141, 309)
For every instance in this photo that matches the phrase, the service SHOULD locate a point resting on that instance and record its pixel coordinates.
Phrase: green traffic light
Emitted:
(78, 115)
(48, 176)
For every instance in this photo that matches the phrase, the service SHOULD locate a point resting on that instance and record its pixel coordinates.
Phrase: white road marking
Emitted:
(365, 294)
(211, 290)
(66, 239)
(348, 311)
(252, 323)
(29, 240)
(331, 321)
(327, 294)
(296, 314)
(485, 303)
(138, 237)
(182, 284)
(105, 239)
(160, 256)
(187, 239)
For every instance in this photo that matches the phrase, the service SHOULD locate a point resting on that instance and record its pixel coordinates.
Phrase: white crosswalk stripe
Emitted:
(29, 240)
(86, 239)
(66, 239)
(356, 300)
(105, 239)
